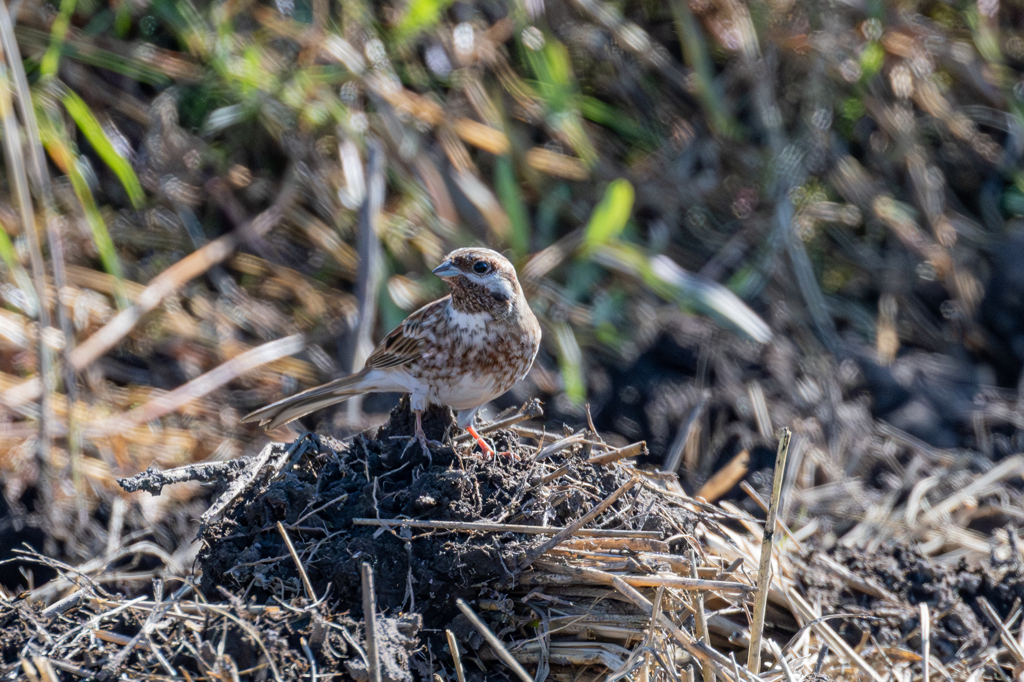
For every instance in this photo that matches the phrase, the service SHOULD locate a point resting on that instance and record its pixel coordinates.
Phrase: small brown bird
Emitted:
(463, 350)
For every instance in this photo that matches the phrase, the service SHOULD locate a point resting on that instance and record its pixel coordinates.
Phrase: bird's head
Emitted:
(480, 280)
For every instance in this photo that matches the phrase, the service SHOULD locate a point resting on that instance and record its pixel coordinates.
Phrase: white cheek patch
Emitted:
(494, 283)
(502, 287)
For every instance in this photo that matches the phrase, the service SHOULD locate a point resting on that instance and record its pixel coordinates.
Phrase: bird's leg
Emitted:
(421, 436)
(487, 450)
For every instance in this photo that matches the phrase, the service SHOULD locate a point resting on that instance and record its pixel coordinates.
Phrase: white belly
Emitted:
(468, 393)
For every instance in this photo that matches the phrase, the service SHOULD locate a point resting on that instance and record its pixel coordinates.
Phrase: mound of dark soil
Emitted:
(389, 476)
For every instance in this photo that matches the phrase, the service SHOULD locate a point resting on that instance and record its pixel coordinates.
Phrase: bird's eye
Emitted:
(481, 267)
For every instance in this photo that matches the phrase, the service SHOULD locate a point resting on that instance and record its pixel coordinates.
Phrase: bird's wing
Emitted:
(406, 343)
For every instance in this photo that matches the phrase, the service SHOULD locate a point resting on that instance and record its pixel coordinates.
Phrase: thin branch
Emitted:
(306, 585)
(479, 526)
(493, 640)
(370, 622)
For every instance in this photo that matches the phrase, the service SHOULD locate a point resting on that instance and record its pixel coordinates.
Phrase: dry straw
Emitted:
(764, 567)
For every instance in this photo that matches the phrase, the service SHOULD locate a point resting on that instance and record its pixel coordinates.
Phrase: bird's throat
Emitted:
(476, 298)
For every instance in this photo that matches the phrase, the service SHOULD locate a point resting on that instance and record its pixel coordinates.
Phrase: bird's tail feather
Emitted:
(301, 404)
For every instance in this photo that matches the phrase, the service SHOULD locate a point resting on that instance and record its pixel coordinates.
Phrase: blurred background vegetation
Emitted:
(728, 216)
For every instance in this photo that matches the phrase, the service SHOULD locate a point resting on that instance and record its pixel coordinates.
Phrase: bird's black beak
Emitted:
(446, 269)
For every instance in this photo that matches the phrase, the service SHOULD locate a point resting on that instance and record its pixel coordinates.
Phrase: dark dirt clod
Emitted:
(397, 638)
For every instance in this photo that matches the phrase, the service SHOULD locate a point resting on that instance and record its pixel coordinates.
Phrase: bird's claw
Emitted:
(421, 437)
(425, 445)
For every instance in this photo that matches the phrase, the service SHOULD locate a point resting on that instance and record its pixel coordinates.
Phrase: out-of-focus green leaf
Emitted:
(550, 65)
(611, 214)
(570, 125)
(559, 71)
(10, 257)
(512, 199)
(123, 20)
(1013, 201)
(613, 119)
(254, 72)
(853, 109)
(548, 208)
(607, 334)
(583, 278)
(190, 26)
(87, 53)
(746, 281)
(985, 39)
(420, 15)
(93, 131)
(872, 59)
(8, 253)
(570, 362)
(1013, 196)
(100, 234)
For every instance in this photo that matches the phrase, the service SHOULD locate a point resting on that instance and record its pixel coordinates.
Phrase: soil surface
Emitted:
(956, 595)
(261, 608)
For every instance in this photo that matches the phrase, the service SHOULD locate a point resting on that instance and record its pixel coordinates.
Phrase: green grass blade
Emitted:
(83, 51)
(93, 131)
(51, 60)
(570, 362)
(68, 161)
(512, 199)
(100, 234)
(7, 252)
(697, 56)
(558, 87)
(624, 125)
